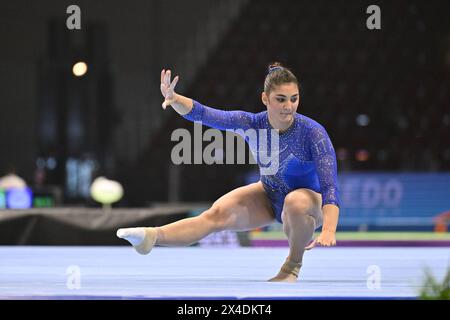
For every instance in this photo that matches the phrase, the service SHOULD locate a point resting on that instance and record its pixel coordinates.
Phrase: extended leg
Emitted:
(244, 208)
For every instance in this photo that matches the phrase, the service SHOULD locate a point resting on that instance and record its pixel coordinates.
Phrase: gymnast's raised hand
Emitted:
(179, 103)
(167, 88)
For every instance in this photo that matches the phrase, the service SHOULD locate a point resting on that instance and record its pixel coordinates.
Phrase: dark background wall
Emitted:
(141, 37)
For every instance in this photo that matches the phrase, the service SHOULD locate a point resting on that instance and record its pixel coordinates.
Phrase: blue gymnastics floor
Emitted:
(213, 273)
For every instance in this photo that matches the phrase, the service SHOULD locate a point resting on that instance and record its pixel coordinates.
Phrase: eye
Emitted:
(294, 99)
(280, 99)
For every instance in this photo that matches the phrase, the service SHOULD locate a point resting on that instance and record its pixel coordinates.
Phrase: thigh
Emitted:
(245, 208)
(312, 200)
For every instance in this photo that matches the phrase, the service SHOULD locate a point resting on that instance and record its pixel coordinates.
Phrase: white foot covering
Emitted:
(142, 239)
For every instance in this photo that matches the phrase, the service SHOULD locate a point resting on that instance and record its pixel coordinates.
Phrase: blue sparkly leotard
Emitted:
(306, 154)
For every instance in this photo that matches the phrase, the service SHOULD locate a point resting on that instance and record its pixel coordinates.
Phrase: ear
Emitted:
(264, 98)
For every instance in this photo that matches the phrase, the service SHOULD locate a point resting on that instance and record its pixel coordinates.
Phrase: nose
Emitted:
(288, 106)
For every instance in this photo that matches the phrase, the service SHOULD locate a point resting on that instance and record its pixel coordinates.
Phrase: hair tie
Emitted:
(272, 69)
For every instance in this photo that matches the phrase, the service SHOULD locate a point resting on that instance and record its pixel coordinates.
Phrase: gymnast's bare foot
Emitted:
(142, 239)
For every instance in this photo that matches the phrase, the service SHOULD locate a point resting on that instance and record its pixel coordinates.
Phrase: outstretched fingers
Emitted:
(174, 83)
(167, 86)
(163, 89)
(319, 242)
(167, 78)
(163, 73)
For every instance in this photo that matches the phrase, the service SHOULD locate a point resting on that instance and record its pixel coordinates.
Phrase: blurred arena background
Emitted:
(383, 96)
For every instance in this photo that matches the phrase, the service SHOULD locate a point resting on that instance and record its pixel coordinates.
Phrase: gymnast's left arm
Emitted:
(325, 159)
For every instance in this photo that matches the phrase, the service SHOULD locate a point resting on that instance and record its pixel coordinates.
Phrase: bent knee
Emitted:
(299, 202)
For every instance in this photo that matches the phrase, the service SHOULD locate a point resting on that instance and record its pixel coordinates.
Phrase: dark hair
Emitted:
(277, 75)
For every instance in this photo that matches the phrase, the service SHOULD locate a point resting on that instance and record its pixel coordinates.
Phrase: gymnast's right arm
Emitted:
(195, 111)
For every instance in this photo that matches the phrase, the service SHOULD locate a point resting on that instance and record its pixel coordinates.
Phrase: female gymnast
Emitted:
(302, 195)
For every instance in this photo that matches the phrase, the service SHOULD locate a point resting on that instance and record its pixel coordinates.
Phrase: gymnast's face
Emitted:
(282, 103)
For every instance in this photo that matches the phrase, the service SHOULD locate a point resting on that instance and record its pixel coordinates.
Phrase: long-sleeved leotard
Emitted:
(306, 154)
